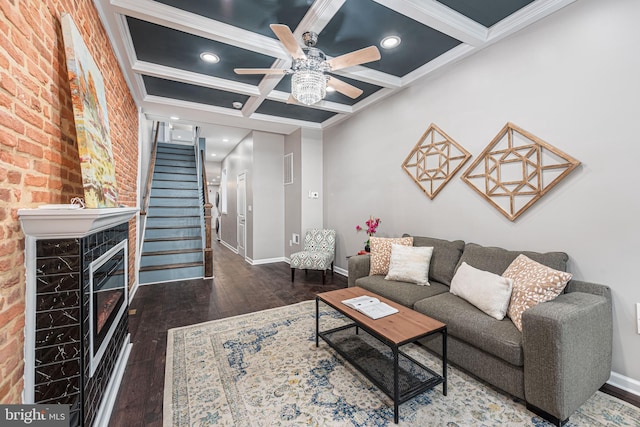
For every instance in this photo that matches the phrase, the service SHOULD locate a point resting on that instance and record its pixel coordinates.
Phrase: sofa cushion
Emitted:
(464, 321)
(444, 259)
(533, 283)
(410, 264)
(489, 292)
(404, 293)
(496, 260)
(381, 252)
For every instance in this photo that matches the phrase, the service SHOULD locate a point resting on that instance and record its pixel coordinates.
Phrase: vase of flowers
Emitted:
(371, 227)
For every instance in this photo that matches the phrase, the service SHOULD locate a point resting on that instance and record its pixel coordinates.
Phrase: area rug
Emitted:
(263, 369)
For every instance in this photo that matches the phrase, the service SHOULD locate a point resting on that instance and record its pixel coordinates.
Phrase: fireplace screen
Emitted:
(108, 287)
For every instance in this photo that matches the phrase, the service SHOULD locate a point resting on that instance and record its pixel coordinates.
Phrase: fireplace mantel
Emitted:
(71, 223)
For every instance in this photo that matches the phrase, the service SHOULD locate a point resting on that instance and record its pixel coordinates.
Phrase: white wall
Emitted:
(293, 196)
(268, 197)
(573, 80)
(311, 176)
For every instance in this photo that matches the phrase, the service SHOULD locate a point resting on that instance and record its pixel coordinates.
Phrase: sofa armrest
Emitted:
(567, 346)
(358, 267)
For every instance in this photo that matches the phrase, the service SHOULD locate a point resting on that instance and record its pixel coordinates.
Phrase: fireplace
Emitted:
(76, 313)
(108, 299)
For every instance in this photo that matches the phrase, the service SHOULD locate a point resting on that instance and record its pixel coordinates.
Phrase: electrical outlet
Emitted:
(638, 315)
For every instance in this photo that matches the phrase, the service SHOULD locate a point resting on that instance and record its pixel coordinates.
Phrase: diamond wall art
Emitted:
(434, 160)
(516, 169)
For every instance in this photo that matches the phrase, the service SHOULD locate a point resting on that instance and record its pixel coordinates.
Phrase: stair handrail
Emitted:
(152, 163)
(208, 250)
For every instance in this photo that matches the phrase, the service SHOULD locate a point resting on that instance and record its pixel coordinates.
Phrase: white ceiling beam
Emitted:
(189, 77)
(441, 18)
(188, 22)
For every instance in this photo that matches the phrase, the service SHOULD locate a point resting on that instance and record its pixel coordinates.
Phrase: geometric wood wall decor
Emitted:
(434, 160)
(516, 169)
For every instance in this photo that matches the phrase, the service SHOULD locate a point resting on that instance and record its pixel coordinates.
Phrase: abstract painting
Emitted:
(91, 120)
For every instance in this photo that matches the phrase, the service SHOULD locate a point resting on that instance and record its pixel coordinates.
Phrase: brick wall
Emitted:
(38, 151)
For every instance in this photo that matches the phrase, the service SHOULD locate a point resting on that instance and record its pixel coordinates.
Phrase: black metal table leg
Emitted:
(317, 321)
(444, 361)
(396, 385)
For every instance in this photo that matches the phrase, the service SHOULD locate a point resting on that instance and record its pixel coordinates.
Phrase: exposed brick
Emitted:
(37, 181)
(38, 149)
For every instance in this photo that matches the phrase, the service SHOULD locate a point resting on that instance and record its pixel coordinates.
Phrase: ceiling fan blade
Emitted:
(344, 88)
(285, 35)
(357, 57)
(259, 71)
(292, 100)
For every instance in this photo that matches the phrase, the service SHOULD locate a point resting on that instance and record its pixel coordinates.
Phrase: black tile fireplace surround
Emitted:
(62, 325)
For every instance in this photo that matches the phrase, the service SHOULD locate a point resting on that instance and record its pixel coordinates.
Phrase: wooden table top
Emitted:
(400, 328)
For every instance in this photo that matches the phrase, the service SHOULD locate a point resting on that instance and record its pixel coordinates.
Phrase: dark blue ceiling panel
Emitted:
(362, 23)
(486, 12)
(367, 89)
(251, 15)
(172, 48)
(191, 93)
(292, 111)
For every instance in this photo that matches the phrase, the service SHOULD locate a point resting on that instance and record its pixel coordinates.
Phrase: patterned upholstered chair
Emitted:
(318, 253)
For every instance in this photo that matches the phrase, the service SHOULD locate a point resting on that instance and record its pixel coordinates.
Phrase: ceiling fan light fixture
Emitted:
(308, 86)
(390, 42)
(209, 57)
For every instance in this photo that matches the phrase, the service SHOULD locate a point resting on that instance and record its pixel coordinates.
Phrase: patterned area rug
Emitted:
(263, 369)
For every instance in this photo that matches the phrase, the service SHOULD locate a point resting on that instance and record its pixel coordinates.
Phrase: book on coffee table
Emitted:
(370, 306)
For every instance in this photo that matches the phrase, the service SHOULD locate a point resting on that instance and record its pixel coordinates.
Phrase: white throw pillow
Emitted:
(410, 264)
(489, 292)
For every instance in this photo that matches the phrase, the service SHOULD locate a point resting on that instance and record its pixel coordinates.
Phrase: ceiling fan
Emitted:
(309, 81)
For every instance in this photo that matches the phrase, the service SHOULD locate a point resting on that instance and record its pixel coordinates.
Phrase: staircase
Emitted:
(172, 247)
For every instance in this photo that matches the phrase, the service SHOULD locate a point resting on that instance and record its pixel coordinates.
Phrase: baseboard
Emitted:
(109, 398)
(228, 246)
(265, 261)
(624, 383)
(341, 271)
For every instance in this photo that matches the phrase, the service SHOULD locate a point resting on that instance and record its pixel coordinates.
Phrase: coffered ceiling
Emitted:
(158, 44)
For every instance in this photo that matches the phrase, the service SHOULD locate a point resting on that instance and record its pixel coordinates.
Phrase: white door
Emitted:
(242, 213)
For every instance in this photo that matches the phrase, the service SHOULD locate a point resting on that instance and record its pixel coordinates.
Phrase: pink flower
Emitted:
(372, 225)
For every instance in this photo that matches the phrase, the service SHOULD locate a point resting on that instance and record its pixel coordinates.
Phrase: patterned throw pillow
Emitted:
(533, 283)
(410, 264)
(381, 252)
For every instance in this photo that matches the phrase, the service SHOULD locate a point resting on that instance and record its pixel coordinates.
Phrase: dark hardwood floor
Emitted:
(237, 288)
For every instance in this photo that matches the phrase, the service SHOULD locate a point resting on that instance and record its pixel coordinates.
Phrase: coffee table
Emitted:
(373, 346)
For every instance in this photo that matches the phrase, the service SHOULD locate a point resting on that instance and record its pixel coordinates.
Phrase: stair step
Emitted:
(179, 272)
(173, 211)
(172, 239)
(172, 221)
(174, 169)
(171, 257)
(175, 162)
(172, 232)
(173, 185)
(170, 266)
(160, 246)
(167, 176)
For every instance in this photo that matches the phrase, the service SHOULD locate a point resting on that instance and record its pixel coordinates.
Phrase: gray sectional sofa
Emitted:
(558, 361)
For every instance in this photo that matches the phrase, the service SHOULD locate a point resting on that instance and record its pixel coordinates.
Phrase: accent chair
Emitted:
(318, 253)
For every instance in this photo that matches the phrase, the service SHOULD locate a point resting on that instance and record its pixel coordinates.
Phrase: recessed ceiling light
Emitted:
(209, 57)
(213, 154)
(174, 118)
(237, 105)
(225, 139)
(390, 42)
